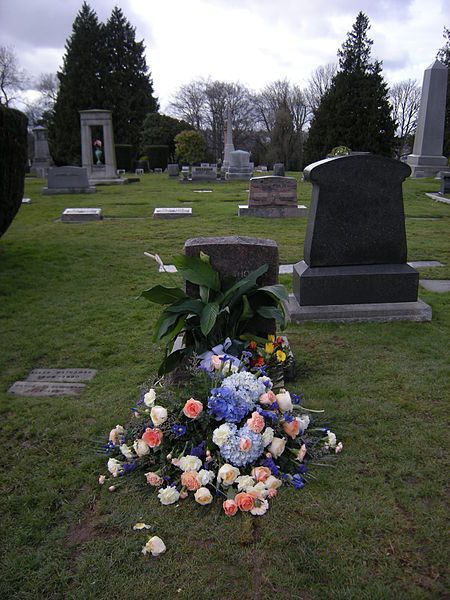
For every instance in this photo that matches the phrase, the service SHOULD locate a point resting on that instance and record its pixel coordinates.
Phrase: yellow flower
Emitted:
(269, 348)
(271, 338)
(281, 356)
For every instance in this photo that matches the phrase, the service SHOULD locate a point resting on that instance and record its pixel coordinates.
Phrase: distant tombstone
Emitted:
(172, 213)
(273, 197)
(427, 159)
(98, 157)
(239, 168)
(173, 170)
(41, 159)
(203, 173)
(204, 164)
(278, 169)
(235, 257)
(62, 375)
(77, 215)
(158, 170)
(355, 244)
(68, 180)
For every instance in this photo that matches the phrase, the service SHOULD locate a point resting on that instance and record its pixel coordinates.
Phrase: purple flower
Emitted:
(199, 451)
(298, 482)
(178, 429)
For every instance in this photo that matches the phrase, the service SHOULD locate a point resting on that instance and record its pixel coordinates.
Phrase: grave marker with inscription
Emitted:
(204, 173)
(172, 213)
(45, 388)
(272, 197)
(74, 215)
(68, 180)
(62, 375)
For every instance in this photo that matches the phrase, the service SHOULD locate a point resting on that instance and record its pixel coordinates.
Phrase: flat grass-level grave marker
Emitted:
(53, 382)
(77, 215)
(440, 286)
(172, 213)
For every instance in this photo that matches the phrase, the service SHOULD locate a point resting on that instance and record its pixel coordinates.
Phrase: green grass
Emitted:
(373, 527)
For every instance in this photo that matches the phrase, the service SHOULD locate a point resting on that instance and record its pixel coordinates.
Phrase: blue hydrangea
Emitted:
(231, 451)
(224, 406)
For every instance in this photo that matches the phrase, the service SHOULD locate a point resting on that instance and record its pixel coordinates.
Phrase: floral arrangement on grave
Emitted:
(340, 151)
(98, 151)
(233, 445)
(226, 315)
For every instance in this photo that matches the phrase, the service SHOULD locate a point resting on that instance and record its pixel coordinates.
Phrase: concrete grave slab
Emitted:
(45, 388)
(438, 198)
(73, 215)
(62, 375)
(436, 285)
(172, 213)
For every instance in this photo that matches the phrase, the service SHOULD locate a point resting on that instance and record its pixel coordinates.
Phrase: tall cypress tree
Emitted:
(128, 88)
(355, 111)
(80, 86)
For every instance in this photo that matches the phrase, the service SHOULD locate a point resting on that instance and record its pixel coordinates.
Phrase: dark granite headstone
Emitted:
(236, 257)
(445, 184)
(355, 245)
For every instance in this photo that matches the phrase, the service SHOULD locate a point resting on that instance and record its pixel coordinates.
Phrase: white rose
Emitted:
(331, 439)
(154, 546)
(227, 474)
(221, 435)
(244, 482)
(261, 509)
(276, 448)
(126, 451)
(149, 398)
(267, 436)
(158, 415)
(141, 448)
(190, 463)
(203, 496)
(206, 476)
(114, 467)
(284, 401)
(304, 421)
(114, 434)
(168, 495)
(272, 483)
(259, 489)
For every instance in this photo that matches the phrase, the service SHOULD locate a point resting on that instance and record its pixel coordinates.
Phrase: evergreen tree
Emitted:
(80, 86)
(444, 56)
(355, 111)
(128, 88)
(161, 130)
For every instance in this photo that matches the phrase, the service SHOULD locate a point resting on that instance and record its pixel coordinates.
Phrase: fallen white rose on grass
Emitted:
(155, 546)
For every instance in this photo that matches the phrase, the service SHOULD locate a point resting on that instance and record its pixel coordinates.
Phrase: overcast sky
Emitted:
(251, 41)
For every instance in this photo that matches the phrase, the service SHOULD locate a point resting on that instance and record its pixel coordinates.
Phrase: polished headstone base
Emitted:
(55, 191)
(273, 212)
(360, 284)
(426, 166)
(359, 313)
(108, 181)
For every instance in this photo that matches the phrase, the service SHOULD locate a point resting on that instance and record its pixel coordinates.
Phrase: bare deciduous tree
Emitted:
(318, 84)
(188, 103)
(13, 79)
(405, 100)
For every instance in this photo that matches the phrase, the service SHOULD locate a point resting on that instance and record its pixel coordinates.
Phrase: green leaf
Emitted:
(204, 294)
(173, 333)
(195, 270)
(208, 317)
(247, 311)
(172, 360)
(163, 295)
(278, 291)
(243, 285)
(164, 324)
(272, 312)
(191, 305)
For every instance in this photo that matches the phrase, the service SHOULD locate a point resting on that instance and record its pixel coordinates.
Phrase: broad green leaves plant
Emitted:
(223, 309)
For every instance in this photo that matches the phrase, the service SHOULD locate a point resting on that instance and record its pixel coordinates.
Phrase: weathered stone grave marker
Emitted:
(77, 215)
(68, 180)
(355, 244)
(53, 382)
(278, 169)
(272, 197)
(62, 375)
(172, 213)
(204, 173)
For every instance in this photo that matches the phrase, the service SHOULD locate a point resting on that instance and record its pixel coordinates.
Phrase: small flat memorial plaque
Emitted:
(171, 213)
(62, 375)
(45, 388)
(71, 215)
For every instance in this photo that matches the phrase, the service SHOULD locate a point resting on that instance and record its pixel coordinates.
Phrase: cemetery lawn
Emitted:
(371, 527)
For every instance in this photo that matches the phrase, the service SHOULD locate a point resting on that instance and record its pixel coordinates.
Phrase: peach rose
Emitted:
(261, 473)
(244, 501)
(272, 493)
(230, 508)
(192, 408)
(152, 437)
(256, 423)
(292, 429)
(267, 398)
(216, 362)
(191, 480)
(245, 444)
(153, 479)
